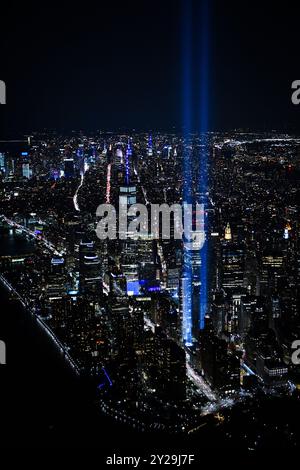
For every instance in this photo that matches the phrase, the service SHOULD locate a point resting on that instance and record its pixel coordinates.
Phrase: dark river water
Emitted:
(42, 404)
(15, 245)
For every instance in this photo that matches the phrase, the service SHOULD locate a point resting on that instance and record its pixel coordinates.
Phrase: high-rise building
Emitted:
(128, 258)
(26, 171)
(118, 159)
(185, 298)
(170, 370)
(228, 235)
(89, 268)
(233, 265)
(221, 369)
(56, 279)
(122, 326)
(150, 147)
(2, 163)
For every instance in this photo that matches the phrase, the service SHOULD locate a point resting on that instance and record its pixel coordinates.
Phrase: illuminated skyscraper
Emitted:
(233, 265)
(150, 146)
(118, 160)
(26, 171)
(185, 295)
(56, 279)
(89, 268)
(2, 162)
(228, 232)
(129, 261)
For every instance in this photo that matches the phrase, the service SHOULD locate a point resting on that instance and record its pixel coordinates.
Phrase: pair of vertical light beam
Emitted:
(195, 55)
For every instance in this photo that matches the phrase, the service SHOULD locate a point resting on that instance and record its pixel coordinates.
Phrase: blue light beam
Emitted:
(186, 279)
(203, 152)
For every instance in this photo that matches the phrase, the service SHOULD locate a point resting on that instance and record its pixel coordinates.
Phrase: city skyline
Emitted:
(149, 228)
(134, 316)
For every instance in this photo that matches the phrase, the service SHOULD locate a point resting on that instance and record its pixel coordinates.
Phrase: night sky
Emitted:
(119, 65)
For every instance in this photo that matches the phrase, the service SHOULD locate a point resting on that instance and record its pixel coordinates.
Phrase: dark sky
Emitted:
(119, 64)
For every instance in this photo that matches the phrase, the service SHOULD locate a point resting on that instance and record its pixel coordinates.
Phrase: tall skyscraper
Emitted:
(26, 171)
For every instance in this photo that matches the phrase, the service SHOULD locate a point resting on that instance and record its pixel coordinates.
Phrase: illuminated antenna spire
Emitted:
(127, 164)
(150, 148)
(129, 147)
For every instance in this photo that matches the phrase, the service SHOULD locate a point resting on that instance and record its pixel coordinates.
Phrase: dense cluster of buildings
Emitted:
(161, 330)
